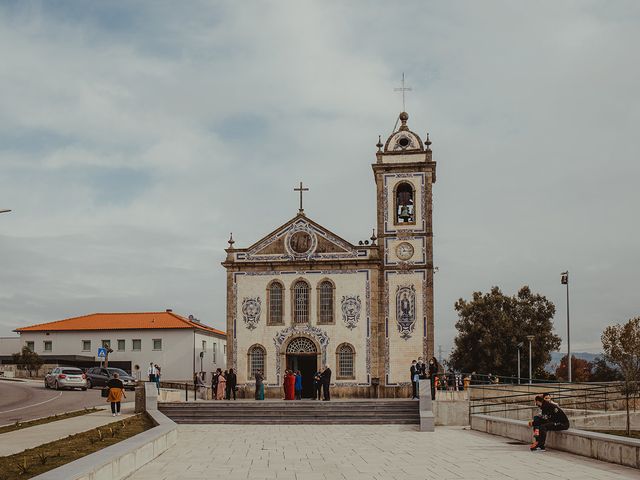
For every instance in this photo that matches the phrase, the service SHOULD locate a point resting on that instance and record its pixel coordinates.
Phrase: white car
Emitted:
(65, 377)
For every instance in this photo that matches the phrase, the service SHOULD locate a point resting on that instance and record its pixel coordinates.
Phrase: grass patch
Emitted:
(41, 421)
(621, 433)
(36, 461)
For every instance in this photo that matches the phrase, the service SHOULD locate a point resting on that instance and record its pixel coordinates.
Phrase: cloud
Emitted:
(135, 137)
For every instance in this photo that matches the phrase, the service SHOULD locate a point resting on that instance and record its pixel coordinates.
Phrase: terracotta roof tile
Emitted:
(120, 321)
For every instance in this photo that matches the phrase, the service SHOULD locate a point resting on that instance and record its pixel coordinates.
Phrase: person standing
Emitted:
(285, 384)
(291, 386)
(326, 382)
(151, 373)
(136, 372)
(214, 383)
(317, 385)
(157, 373)
(116, 393)
(231, 384)
(259, 386)
(433, 374)
(415, 377)
(222, 386)
(298, 385)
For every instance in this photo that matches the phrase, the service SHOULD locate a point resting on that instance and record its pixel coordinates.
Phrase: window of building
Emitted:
(204, 345)
(345, 361)
(48, 346)
(301, 302)
(121, 345)
(157, 344)
(215, 351)
(86, 345)
(30, 345)
(274, 296)
(405, 208)
(257, 356)
(106, 343)
(136, 344)
(225, 348)
(325, 301)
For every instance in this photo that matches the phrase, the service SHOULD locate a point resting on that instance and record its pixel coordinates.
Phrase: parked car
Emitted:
(65, 377)
(99, 376)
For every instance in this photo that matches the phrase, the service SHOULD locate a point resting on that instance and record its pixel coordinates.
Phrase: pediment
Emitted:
(299, 239)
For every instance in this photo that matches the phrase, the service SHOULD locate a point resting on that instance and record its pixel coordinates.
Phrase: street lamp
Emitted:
(519, 346)
(564, 280)
(530, 338)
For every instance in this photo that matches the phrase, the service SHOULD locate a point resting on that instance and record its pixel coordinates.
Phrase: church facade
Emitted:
(303, 297)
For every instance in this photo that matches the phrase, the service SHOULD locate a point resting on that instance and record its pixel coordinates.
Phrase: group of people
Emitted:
(224, 384)
(550, 418)
(421, 371)
(154, 373)
(292, 384)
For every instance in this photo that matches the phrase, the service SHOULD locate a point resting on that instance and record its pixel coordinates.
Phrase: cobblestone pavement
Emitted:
(354, 452)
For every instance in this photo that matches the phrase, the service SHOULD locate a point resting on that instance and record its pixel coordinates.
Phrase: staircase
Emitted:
(353, 412)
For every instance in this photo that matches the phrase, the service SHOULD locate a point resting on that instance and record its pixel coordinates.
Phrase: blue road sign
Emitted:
(102, 352)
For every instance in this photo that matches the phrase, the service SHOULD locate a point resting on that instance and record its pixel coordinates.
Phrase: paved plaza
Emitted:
(357, 452)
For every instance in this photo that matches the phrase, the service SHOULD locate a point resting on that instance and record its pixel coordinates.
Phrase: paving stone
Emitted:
(354, 452)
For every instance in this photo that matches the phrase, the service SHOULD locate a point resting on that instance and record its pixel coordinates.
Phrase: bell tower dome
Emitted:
(404, 173)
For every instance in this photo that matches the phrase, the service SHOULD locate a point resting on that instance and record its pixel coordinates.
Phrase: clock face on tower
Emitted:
(404, 251)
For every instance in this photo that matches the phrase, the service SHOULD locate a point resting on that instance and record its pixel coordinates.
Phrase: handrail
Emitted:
(579, 396)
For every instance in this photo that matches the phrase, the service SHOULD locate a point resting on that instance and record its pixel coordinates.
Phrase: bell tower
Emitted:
(404, 174)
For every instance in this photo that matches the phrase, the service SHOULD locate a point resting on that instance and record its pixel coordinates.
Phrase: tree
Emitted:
(602, 372)
(580, 369)
(491, 325)
(27, 360)
(621, 345)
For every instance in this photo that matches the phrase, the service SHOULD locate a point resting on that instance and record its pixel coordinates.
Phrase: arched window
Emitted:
(274, 296)
(257, 357)
(325, 302)
(301, 302)
(405, 208)
(301, 345)
(345, 360)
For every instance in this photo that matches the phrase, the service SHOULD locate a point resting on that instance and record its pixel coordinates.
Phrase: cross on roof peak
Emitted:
(301, 189)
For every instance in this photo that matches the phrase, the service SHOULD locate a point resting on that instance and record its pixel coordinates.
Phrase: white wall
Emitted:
(10, 345)
(175, 358)
(347, 282)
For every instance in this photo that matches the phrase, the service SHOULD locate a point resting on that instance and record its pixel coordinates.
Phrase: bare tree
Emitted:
(621, 345)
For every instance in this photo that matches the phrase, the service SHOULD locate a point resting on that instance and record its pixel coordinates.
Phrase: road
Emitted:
(29, 399)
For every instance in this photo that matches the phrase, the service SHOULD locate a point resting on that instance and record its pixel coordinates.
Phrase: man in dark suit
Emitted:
(325, 377)
(415, 375)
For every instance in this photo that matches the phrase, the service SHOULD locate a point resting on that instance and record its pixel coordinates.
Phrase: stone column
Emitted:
(426, 410)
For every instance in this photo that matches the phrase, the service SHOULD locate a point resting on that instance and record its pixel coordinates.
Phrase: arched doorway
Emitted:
(302, 354)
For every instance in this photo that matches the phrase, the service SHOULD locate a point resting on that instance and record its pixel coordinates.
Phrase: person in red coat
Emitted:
(291, 386)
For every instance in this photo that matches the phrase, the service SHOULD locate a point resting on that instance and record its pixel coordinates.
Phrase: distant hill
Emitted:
(557, 356)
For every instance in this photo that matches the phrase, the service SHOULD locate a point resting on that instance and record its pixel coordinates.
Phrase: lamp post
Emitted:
(5, 211)
(564, 280)
(519, 346)
(530, 338)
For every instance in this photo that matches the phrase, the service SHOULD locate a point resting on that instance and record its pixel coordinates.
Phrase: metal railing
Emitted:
(575, 398)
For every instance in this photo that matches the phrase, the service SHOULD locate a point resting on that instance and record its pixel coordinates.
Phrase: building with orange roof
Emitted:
(179, 345)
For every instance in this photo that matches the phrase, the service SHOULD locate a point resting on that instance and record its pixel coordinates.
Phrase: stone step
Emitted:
(287, 413)
(306, 421)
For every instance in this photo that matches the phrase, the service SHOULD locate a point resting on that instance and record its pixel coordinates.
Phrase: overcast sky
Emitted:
(134, 136)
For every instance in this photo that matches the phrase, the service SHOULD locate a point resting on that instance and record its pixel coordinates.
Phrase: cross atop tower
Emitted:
(301, 189)
(402, 89)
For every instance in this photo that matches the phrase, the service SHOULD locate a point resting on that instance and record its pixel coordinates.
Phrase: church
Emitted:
(303, 297)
